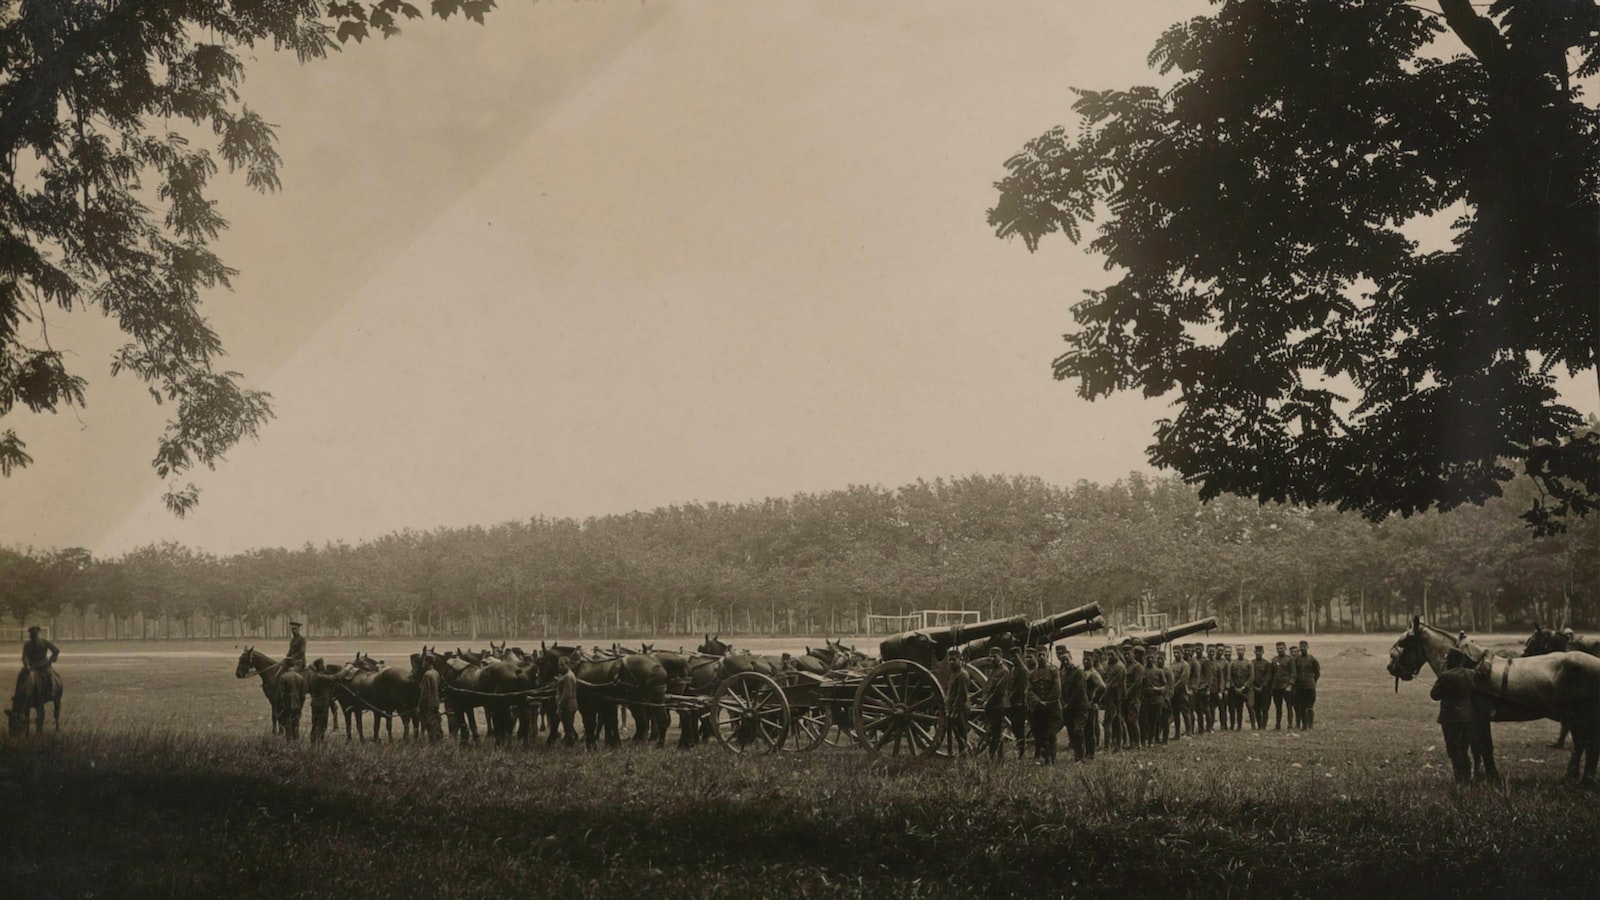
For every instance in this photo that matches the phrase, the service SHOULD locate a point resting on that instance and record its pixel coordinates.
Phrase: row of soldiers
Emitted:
(1128, 697)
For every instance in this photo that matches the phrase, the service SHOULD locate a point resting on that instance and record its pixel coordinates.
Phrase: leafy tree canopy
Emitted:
(114, 117)
(1260, 218)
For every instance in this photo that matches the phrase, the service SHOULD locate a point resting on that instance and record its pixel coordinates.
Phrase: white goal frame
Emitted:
(922, 618)
(15, 635)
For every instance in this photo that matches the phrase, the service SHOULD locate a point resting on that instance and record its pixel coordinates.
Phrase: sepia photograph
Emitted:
(809, 448)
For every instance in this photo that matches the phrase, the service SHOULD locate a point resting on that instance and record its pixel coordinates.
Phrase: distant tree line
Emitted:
(819, 563)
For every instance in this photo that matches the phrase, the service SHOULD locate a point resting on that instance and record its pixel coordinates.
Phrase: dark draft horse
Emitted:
(254, 662)
(634, 679)
(1545, 640)
(1560, 686)
(34, 690)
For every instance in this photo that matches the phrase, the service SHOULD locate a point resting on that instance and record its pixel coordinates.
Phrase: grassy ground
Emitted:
(162, 784)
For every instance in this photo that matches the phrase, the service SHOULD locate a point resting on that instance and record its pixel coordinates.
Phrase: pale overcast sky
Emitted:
(603, 256)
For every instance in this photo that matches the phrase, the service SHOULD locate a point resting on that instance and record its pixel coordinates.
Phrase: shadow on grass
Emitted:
(156, 815)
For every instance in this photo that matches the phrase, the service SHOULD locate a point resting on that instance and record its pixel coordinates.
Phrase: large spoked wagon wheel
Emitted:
(808, 728)
(750, 714)
(899, 709)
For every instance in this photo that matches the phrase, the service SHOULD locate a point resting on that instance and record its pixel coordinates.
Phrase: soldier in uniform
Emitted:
(1044, 708)
(997, 702)
(566, 702)
(295, 659)
(1157, 698)
(1242, 676)
(1133, 698)
(1453, 690)
(1116, 677)
(1219, 683)
(1200, 684)
(1280, 678)
(958, 701)
(320, 682)
(1260, 689)
(1018, 712)
(1095, 691)
(1182, 715)
(1074, 701)
(38, 655)
(1306, 675)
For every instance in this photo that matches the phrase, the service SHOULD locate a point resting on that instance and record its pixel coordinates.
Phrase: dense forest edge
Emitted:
(819, 563)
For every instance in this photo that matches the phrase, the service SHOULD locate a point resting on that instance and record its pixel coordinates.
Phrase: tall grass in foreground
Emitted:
(152, 813)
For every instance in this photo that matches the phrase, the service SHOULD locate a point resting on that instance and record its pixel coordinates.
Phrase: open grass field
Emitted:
(165, 783)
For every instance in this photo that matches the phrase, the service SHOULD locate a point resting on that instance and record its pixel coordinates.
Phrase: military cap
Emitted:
(33, 629)
(1260, 649)
(295, 625)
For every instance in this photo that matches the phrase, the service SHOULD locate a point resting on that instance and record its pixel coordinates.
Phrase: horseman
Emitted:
(38, 655)
(295, 659)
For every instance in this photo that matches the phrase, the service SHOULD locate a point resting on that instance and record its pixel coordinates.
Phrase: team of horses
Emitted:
(514, 688)
(1555, 678)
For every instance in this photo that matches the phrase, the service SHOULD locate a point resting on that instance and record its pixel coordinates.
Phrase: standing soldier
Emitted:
(1074, 701)
(1133, 698)
(1044, 707)
(296, 657)
(320, 682)
(1306, 675)
(1179, 672)
(567, 702)
(1239, 697)
(427, 701)
(1260, 688)
(1116, 677)
(1453, 690)
(1095, 690)
(1158, 698)
(1201, 683)
(1279, 682)
(1294, 671)
(958, 702)
(997, 701)
(1018, 712)
(1219, 683)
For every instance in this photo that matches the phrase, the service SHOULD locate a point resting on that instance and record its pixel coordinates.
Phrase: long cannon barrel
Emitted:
(1076, 628)
(929, 645)
(1168, 635)
(1040, 631)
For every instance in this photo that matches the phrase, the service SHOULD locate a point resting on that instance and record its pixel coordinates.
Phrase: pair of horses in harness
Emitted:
(1563, 686)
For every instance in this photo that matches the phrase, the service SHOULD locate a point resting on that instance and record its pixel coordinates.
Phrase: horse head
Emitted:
(1409, 654)
(247, 663)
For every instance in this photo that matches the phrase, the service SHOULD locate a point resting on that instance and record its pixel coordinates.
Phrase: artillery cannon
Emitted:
(1076, 628)
(1166, 635)
(929, 645)
(1040, 631)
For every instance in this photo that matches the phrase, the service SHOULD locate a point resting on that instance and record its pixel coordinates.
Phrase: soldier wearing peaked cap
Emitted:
(1239, 697)
(1260, 689)
(1133, 698)
(296, 657)
(1279, 682)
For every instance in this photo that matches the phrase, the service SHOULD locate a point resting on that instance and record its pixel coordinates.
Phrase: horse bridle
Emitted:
(255, 670)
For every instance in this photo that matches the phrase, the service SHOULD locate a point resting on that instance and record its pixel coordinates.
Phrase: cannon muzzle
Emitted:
(1040, 630)
(1168, 635)
(929, 645)
(1076, 628)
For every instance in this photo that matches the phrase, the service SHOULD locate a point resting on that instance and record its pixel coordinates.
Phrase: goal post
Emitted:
(922, 618)
(16, 635)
